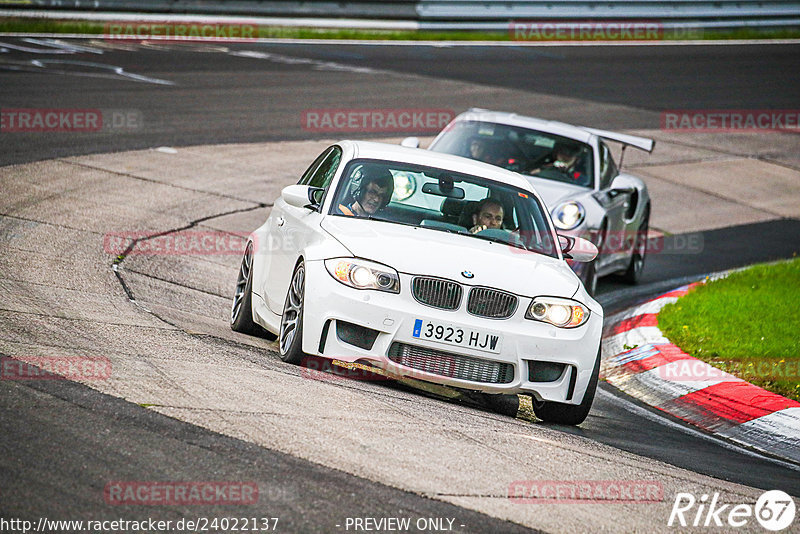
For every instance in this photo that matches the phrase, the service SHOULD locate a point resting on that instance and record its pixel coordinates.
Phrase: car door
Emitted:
(293, 229)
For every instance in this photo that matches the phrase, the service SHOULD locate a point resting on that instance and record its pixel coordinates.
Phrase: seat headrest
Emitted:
(452, 207)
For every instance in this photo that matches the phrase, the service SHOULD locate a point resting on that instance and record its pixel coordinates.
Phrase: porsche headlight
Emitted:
(563, 313)
(568, 215)
(363, 274)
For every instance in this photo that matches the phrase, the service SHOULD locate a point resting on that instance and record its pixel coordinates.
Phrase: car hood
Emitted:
(422, 251)
(553, 192)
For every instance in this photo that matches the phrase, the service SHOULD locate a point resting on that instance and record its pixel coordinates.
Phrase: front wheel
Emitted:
(570, 414)
(589, 278)
(634, 271)
(291, 333)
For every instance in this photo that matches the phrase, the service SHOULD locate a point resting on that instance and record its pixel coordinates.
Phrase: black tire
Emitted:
(242, 308)
(570, 414)
(290, 338)
(589, 278)
(634, 272)
(502, 404)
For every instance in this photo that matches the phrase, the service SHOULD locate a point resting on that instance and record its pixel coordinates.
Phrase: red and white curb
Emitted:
(643, 363)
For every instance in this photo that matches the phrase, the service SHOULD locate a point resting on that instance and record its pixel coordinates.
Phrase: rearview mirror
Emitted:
(443, 189)
(410, 142)
(577, 248)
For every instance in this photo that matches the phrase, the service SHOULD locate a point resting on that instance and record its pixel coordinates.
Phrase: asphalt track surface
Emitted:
(224, 98)
(72, 433)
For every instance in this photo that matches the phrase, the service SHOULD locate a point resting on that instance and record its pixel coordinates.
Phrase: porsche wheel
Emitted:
(291, 333)
(590, 278)
(570, 414)
(634, 272)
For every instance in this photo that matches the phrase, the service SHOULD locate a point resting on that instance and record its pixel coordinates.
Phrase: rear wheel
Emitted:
(634, 272)
(570, 414)
(291, 334)
(242, 308)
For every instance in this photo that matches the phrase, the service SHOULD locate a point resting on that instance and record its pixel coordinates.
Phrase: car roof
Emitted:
(513, 119)
(385, 151)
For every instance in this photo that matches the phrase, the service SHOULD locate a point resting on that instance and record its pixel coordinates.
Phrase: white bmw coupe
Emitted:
(426, 265)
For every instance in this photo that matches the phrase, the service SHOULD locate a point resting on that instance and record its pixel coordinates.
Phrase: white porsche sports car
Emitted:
(574, 171)
(369, 258)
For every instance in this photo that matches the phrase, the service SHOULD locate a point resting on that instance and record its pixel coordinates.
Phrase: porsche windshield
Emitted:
(521, 150)
(445, 201)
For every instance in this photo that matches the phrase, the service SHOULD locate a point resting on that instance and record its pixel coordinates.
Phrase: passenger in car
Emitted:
(481, 150)
(372, 194)
(488, 215)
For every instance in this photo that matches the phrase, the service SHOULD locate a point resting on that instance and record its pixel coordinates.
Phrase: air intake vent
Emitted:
(451, 365)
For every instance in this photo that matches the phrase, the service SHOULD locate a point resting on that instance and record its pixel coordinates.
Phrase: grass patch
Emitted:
(40, 25)
(746, 324)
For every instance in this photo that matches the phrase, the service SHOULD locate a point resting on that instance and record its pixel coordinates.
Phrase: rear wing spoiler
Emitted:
(642, 143)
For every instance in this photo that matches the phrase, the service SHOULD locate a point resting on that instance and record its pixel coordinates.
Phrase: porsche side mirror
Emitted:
(577, 248)
(410, 142)
(302, 196)
(620, 186)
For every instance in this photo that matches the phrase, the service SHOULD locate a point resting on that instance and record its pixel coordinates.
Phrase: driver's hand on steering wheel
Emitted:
(477, 228)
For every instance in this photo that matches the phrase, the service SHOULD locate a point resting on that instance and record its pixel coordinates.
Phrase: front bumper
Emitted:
(392, 317)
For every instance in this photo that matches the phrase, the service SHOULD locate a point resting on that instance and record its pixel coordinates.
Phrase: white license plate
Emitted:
(454, 335)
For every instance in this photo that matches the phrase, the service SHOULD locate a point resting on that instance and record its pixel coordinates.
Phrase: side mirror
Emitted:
(620, 186)
(302, 196)
(577, 248)
(410, 142)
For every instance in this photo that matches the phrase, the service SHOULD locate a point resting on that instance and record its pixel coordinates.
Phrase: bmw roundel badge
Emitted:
(467, 274)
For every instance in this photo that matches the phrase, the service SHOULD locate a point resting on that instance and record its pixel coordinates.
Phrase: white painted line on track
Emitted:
(647, 414)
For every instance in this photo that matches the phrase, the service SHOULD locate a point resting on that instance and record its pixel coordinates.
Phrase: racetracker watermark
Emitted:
(200, 243)
(55, 368)
(180, 31)
(399, 120)
(731, 120)
(624, 241)
(592, 30)
(691, 370)
(180, 493)
(585, 491)
(774, 510)
(70, 120)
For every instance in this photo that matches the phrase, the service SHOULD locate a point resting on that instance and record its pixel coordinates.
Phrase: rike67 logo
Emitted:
(774, 510)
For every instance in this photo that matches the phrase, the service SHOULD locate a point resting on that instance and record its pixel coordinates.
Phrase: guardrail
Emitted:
(609, 9)
(462, 14)
(400, 9)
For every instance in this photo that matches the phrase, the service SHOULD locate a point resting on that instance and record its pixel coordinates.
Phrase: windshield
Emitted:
(445, 201)
(521, 150)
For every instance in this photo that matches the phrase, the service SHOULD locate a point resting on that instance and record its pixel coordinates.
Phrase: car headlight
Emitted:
(563, 313)
(363, 274)
(568, 215)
